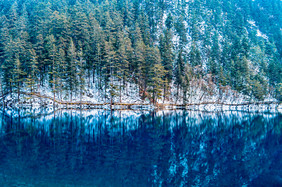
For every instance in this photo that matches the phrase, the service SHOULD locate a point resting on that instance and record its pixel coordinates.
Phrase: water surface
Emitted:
(140, 148)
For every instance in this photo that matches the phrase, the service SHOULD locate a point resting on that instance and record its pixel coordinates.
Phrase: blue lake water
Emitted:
(140, 148)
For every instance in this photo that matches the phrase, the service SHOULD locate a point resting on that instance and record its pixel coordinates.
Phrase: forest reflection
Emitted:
(140, 148)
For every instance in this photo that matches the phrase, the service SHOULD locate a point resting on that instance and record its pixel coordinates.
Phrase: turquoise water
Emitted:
(140, 148)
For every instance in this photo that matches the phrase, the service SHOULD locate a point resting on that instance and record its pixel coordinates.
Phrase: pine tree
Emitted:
(18, 76)
(12, 16)
(81, 72)
(145, 28)
(32, 79)
(181, 30)
(214, 61)
(213, 67)
(215, 51)
(93, 54)
(258, 89)
(54, 66)
(110, 59)
(122, 62)
(195, 56)
(194, 27)
(179, 71)
(129, 54)
(63, 71)
(71, 69)
(80, 27)
(167, 55)
(222, 78)
(5, 36)
(156, 74)
(169, 21)
(225, 56)
(128, 14)
(139, 48)
(139, 64)
(278, 92)
(245, 47)
(186, 81)
(41, 56)
(7, 66)
(124, 56)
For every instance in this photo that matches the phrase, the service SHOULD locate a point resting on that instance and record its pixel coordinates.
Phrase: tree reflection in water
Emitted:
(135, 148)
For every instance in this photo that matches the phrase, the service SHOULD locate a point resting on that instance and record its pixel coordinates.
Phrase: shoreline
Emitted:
(48, 102)
(41, 112)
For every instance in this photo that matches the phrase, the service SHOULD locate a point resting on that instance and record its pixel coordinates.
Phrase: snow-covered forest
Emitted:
(141, 51)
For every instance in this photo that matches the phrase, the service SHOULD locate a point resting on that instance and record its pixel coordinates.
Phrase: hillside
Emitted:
(142, 51)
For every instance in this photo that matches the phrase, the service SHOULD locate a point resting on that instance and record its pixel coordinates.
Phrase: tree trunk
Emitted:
(93, 77)
(177, 94)
(54, 95)
(54, 100)
(120, 91)
(154, 101)
(164, 93)
(32, 99)
(80, 97)
(111, 102)
(89, 75)
(2, 93)
(18, 92)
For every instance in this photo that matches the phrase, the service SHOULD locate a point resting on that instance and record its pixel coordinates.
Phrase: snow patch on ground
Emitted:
(252, 23)
(260, 34)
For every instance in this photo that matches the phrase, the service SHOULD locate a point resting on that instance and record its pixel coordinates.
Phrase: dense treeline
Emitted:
(156, 44)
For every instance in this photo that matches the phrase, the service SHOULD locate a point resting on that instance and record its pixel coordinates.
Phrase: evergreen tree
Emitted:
(194, 26)
(169, 21)
(81, 73)
(129, 51)
(182, 31)
(62, 72)
(222, 77)
(145, 28)
(71, 69)
(156, 74)
(18, 76)
(167, 55)
(179, 70)
(195, 56)
(32, 79)
(54, 65)
(8, 64)
(140, 62)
